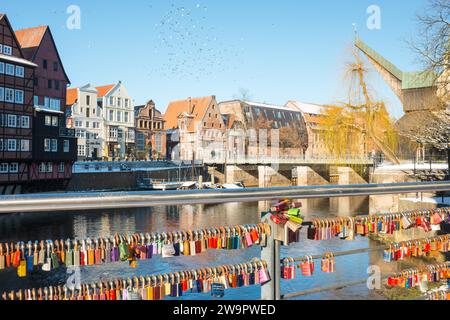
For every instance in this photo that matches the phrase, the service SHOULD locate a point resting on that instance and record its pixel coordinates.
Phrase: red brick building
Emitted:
(150, 134)
(54, 146)
(195, 129)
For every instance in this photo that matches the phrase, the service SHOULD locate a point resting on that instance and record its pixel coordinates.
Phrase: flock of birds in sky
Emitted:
(190, 45)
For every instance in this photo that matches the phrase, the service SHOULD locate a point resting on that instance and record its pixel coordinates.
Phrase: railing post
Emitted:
(271, 254)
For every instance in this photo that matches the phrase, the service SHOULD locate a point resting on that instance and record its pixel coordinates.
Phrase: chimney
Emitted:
(190, 105)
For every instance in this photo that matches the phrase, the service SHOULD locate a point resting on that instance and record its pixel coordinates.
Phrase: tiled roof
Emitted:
(71, 96)
(195, 106)
(103, 90)
(307, 107)
(231, 120)
(31, 37)
(269, 106)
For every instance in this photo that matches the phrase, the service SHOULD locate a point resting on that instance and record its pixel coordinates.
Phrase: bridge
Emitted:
(281, 171)
(289, 160)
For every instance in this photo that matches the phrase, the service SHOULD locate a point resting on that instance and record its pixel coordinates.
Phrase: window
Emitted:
(61, 167)
(1, 144)
(12, 121)
(54, 104)
(9, 95)
(25, 145)
(48, 120)
(55, 66)
(88, 100)
(54, 121)
(2, 67)
(81, 150)
(120, 133)
(54, 145)
(79, 133)
(131, 134)
(127, 117)
(36, 100)
(56, 84)
(9, 69)
(2, 94)
(50, 82)
(25, 122)
(119, 116)
(12, 144)
(20, 72)
(88, 112)
(126, 103)
(7, 50)
(36, 82)
(46, 102)
(119, 102)
(111, 115)
(49, 167)
(19, 96)
(66, 146)
(42, 167)
(113, 132)
(47, 145)
(87, 124)
(111, 101)
(1, 48)
(14, 167)
(4, 168)
(44, 64)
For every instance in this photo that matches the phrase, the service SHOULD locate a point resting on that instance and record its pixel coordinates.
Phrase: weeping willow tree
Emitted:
(361, 124)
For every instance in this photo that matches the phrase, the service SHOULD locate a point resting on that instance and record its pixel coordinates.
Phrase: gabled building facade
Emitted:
(54, 146)
(245, 119)
(195, 129)
(119, 126)
(150, 133)
(313, 115)
(104, 121)
(16, 111)
(86, 117)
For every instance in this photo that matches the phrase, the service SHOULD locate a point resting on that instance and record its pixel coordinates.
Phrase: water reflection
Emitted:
(63, 225)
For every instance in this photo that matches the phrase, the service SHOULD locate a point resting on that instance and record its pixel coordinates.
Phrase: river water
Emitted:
(63, 225)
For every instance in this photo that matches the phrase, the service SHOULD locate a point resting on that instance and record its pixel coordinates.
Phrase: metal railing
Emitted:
(137, 199)
(288, 160)
(270, 254)
(114, 166)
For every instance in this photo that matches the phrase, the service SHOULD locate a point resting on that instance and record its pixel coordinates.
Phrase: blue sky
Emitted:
(277, 50)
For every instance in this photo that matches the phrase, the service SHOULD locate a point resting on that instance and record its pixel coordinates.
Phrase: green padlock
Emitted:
(294, 212)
